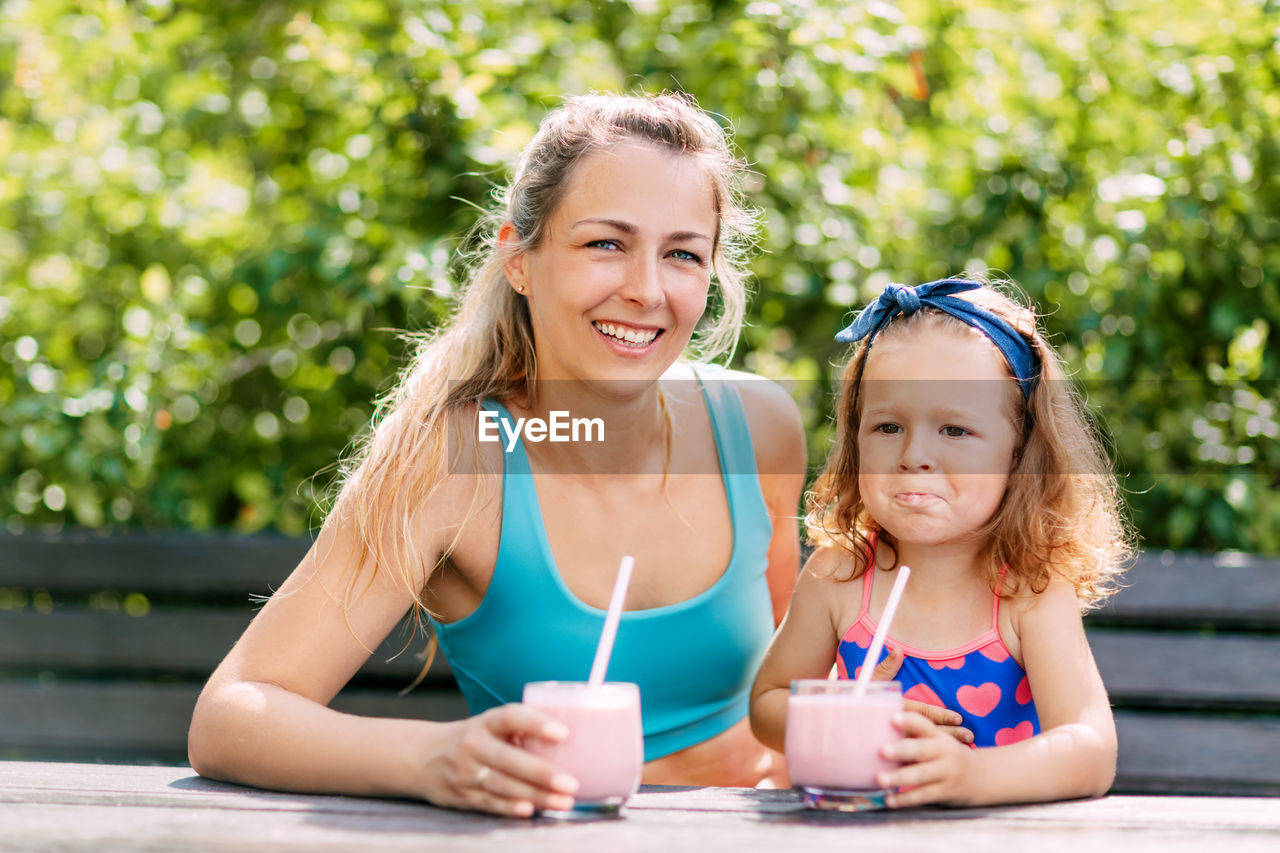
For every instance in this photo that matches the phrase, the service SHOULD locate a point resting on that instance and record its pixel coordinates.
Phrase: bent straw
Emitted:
(882, 631)
(611, 622)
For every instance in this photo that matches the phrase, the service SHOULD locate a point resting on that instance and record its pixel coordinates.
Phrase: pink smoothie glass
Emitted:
(605, 747)
(835, 729)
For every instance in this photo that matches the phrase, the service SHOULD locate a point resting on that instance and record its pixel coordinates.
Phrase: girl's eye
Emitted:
(954, 431)
(888, 429)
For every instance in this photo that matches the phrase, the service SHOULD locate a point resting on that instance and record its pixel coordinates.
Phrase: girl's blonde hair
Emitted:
(1060, 514)
(486, 351)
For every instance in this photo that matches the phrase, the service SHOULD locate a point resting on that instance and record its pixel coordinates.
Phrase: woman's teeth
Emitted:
(628, 336)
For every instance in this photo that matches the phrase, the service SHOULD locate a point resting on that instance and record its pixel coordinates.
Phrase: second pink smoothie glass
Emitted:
(605, 747)
(833, 741)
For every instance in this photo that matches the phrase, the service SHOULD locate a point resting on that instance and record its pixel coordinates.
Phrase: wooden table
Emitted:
(62, 806)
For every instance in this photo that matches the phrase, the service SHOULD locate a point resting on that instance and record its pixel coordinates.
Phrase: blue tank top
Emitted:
(694, 660)
(980, 680)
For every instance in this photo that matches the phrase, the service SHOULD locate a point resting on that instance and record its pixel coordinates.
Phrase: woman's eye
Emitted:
(954, 431)
(686, 255)
(603, 244)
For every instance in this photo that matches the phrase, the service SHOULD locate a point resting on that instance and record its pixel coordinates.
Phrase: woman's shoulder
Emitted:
(455, 431)
(463, 469)
(419, 487)
(748, 384)
(773, 416)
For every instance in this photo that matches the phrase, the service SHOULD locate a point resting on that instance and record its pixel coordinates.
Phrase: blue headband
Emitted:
(937, 294)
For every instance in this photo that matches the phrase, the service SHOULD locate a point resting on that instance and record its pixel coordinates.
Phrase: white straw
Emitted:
(882, 630)
(611, 622)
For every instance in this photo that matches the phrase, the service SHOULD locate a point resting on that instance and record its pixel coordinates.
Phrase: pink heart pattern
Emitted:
(995, 651)
(859, 636)
(980, 700)
(924, 693)
(1022, 731)
(985, 684)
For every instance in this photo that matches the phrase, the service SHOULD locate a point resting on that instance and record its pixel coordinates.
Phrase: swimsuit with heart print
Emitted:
(980, 679)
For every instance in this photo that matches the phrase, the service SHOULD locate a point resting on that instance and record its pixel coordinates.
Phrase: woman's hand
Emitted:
(481, 765)
(945, 719)
(936, 768)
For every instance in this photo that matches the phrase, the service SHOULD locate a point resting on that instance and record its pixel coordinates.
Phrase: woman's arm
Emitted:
(1073, 756)
(263, 719)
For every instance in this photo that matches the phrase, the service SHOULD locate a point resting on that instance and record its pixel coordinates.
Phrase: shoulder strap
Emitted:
(995, 607)
(868, 574)
(728, 424)
(517, 461)
(867, 581)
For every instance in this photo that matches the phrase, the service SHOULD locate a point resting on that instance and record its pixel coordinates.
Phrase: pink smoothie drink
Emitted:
(834, 735)
(605, 747)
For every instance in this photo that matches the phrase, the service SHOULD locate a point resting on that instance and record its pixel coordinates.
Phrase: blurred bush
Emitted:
(214, 218)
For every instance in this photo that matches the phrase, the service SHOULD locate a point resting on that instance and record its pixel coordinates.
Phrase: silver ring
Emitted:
(481, 775)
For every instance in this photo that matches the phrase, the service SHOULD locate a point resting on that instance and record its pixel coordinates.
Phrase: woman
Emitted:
(620, 218)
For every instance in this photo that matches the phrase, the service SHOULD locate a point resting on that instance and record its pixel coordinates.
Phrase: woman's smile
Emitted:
(633, 340)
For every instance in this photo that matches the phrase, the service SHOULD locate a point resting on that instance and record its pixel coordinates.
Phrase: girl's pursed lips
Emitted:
(916, 497)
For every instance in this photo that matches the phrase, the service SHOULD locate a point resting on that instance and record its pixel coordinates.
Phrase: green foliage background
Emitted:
(213, 216)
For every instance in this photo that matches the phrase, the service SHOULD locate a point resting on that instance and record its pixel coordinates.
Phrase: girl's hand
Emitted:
(935, 767)
(945, 719)
(481, 766)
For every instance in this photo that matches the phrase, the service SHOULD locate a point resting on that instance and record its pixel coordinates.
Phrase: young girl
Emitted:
(963, 453)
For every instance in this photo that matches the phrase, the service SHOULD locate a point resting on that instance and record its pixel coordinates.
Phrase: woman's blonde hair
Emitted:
(486, 351)
(1060, 514)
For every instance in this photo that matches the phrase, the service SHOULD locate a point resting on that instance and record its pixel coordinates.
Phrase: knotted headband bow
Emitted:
(899, 298)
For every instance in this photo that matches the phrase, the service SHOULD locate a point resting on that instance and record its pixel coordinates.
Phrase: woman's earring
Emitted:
(519, 288)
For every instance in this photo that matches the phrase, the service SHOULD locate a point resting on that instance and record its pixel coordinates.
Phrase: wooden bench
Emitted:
(1190, 654)
(105, 642)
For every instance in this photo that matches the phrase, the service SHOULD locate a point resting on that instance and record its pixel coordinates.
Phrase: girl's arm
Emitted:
(263, 719)
(803, 647)
(1073, 756)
